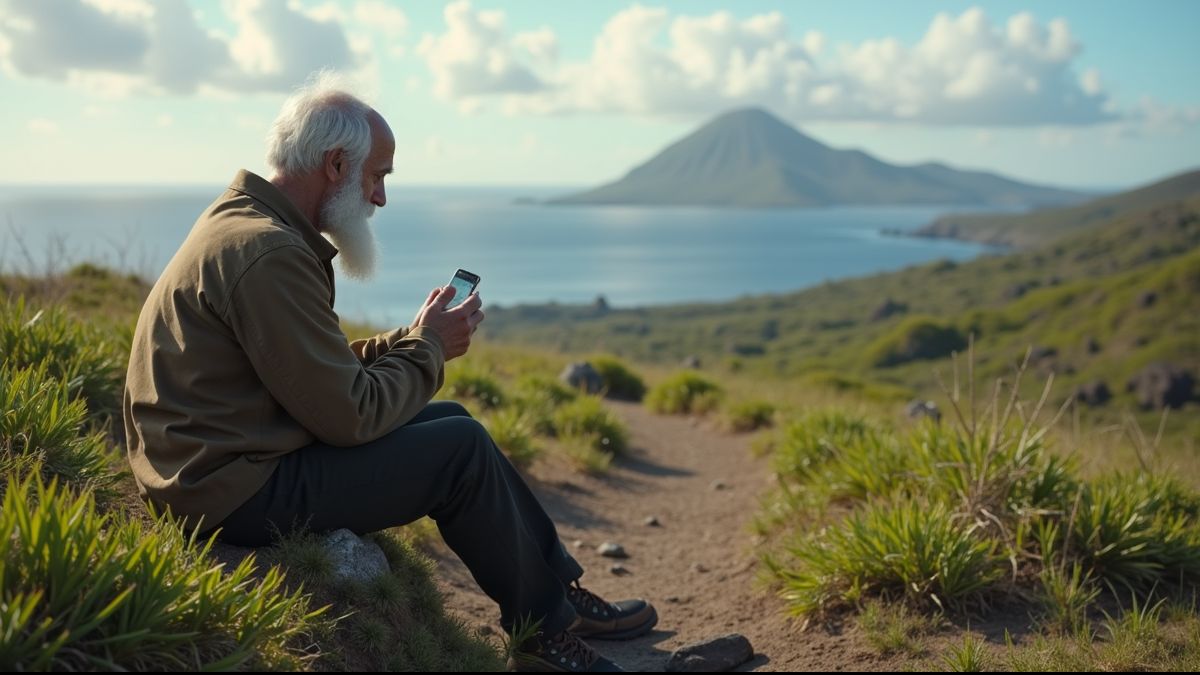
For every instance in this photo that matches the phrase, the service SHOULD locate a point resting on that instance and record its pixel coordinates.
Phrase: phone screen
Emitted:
(462, 289)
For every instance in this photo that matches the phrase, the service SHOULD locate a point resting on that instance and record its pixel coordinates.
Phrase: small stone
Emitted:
(354, 558)
(699, 568)
(652, 521)
(711, 656)
(719, 485)
(578, 543)
(619, 570)
(673, 599)
(610, 550)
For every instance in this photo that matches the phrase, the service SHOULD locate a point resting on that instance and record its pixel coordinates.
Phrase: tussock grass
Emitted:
(684, 393)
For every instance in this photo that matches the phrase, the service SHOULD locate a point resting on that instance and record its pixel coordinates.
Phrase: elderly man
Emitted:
(246, 408)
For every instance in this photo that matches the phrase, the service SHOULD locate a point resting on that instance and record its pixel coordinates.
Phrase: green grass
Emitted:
(1058, 296)
(620, 382)
(747, 416)
(87, 591)
(894, 629)
(585, 420)
(513, 433)
(684, 393)
(474, 384)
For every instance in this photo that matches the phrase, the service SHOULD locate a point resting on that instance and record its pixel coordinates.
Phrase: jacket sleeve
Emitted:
(369, 349)
(279, 310)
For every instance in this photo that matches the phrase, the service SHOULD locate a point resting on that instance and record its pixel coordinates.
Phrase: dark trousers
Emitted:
(442, 464)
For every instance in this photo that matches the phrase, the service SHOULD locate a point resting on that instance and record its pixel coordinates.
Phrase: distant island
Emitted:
(750, 158)
(1025, 230)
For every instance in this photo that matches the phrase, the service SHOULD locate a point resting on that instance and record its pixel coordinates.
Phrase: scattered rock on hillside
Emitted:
(711, 656)
(610, 550)
(1162, 385)
(582, 375)
(652, 521)
(619, 570)
(888, 309)
(718, 485)
(1094, 393)
(692, 362)
(1091, 345)
(917, 409)
(1038, 354)
(355, 559)
(1017, 290)
(1146, 299)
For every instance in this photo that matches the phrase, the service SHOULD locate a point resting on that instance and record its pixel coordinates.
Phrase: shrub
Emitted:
(750, 415)
(905, 547)
(476, 385)
(586, 419)
(619, 381)
(684, 393)
(40, 421)
(513, 433)
(915, 338)
(83, 357)
(537, 397)
(83, 591)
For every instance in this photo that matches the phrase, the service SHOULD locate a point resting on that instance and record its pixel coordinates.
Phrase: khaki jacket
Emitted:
(239, 358)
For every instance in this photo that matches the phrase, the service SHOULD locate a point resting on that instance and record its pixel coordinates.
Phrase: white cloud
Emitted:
(42, 126)
(965, 69)
(130, 45)
(475, 57)
(392, 21)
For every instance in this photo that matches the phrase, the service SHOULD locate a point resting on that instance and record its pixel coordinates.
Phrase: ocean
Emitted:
(524, 252)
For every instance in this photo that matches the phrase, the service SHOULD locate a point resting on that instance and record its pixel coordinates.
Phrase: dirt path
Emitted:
(698, 567)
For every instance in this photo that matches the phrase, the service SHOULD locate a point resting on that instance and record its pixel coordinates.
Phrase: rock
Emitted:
(888, 309)
(619, 570)
(711, 656)
(581, 375)
(1146, 299)
(355, 559)
(610, 550)
(1162, 385)
(1091, 345)
(1037, 353)
(600, 305)
(698, 568)
(1017, 290)
(651, 521)
(1093, 393)
(917, 409)
(719, 485)
(578, 543)
(692, 362)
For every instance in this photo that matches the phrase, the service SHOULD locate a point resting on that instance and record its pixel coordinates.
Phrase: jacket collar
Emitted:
(261, 190)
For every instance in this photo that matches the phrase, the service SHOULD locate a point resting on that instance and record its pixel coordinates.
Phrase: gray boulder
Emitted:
(581, 375)
(353, 558)
(711, 656)
(1162, 385)
(1094, 393)
(918, 409)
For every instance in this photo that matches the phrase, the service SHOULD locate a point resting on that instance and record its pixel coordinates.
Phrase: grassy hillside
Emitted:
(1095, 305)
(1030, 229)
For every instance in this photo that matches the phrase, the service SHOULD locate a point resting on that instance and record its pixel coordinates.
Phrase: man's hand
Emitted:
(454, 326)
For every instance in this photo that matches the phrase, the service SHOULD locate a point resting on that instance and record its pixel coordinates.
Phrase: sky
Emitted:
(479, 92)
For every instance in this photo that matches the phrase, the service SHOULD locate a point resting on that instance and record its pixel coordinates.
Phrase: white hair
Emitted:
(321, 116)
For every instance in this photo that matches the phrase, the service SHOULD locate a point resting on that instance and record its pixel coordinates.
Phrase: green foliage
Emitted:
(1133, 534)
(85, 591)
(619, 381)
(587, 421)
(538, 397)
(513, 433)
(84, 357)
(474, 384)
(41, 421)
(749, 415)
(684, 393)
(968, 657)
(896, 629)
(916, 338)
(906, 547)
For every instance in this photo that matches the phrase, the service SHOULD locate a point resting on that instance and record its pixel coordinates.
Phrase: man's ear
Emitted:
(335, 165)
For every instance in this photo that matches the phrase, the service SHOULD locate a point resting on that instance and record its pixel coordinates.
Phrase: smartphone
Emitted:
(464, 283)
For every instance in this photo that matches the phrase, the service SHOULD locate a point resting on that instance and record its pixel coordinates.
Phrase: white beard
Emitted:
(344, 218)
